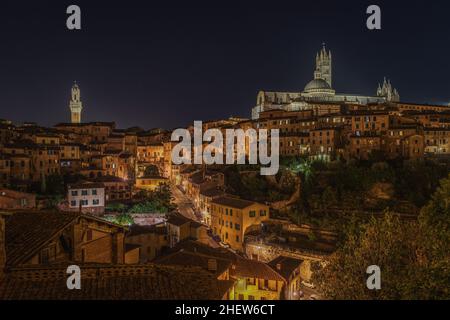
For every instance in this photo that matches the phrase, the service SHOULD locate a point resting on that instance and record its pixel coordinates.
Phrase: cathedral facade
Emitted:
(319, 90)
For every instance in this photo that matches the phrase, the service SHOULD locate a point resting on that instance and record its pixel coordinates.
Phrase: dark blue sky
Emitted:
(166, 64)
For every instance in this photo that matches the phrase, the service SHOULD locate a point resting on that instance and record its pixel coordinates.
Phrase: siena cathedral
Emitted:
(320, 90)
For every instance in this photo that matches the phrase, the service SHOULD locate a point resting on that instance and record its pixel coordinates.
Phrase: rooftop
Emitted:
(118, 282)
(285, 266)
(195, 259)
(27, 231)
(136, 229)
(212, 192)
(233, 202)
(86, 185)
(254, 269)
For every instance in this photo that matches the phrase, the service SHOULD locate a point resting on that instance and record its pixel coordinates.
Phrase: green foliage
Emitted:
(49, 185)
(153, 206)
(117, 207)
(337, 187)
(413, 255)
(53, 201)
(158, 201)
(328, 198)
(251, 185)
(55, 184)
(434, 222)
(124, 219)
(416, 182)
(151, 171)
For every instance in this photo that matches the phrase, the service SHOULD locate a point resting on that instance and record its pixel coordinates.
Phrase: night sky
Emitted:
(166, 64)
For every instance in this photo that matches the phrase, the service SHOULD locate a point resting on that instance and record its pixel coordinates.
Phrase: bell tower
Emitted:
(324, 68)
(75, 104)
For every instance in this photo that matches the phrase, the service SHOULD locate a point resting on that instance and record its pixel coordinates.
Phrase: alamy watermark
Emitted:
(74, 280)
(239, 145)
(374, 280)
(374, 20)
(73, 21)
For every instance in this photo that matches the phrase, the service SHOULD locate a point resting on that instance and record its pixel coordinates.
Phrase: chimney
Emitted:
(212, 265)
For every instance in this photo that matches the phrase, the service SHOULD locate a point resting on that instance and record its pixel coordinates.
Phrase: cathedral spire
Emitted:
(388, 91)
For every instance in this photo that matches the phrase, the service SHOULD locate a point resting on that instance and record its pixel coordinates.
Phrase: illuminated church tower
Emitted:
(324, 66)
(75, 104)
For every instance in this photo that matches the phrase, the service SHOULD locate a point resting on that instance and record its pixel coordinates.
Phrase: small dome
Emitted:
(317, 84)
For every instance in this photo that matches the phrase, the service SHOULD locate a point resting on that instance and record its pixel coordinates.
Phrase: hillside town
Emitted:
(111, 201)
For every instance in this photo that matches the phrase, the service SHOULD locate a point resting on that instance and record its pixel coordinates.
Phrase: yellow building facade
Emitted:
(231, 217)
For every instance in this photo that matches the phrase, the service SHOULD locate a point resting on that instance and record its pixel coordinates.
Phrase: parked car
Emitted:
(225, 245)
(308, 285)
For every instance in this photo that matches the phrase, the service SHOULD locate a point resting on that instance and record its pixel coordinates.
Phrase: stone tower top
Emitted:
(75, 105)
(324, 65)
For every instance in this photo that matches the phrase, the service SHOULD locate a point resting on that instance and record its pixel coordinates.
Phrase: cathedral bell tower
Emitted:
(324, 68)
(75, 104)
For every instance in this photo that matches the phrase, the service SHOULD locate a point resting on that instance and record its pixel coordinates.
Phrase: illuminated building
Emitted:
(231, 217)
(319, 92)
(86, 197)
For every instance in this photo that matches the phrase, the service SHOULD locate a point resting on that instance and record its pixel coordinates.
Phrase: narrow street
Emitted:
(185, 207)
(184, 203)
(308, 292)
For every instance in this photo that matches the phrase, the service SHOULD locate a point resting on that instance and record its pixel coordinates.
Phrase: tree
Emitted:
(328, 198)
(151, 171)
(157, 201)
(413, 255)
(116, 207)
(388, 243)
(43, 185)
(434, 225)
(55, 184)
(54, 201)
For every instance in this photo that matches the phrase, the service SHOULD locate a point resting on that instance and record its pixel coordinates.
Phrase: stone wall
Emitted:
(148, 219)
(266, 252)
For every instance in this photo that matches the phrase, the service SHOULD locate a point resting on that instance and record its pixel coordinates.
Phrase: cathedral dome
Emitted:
(317, 84)
(318, 88)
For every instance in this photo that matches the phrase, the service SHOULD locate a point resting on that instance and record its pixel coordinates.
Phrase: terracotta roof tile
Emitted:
(233, 202)
(287, 265)
(137, 282)
(254, 269)
(25, 232)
